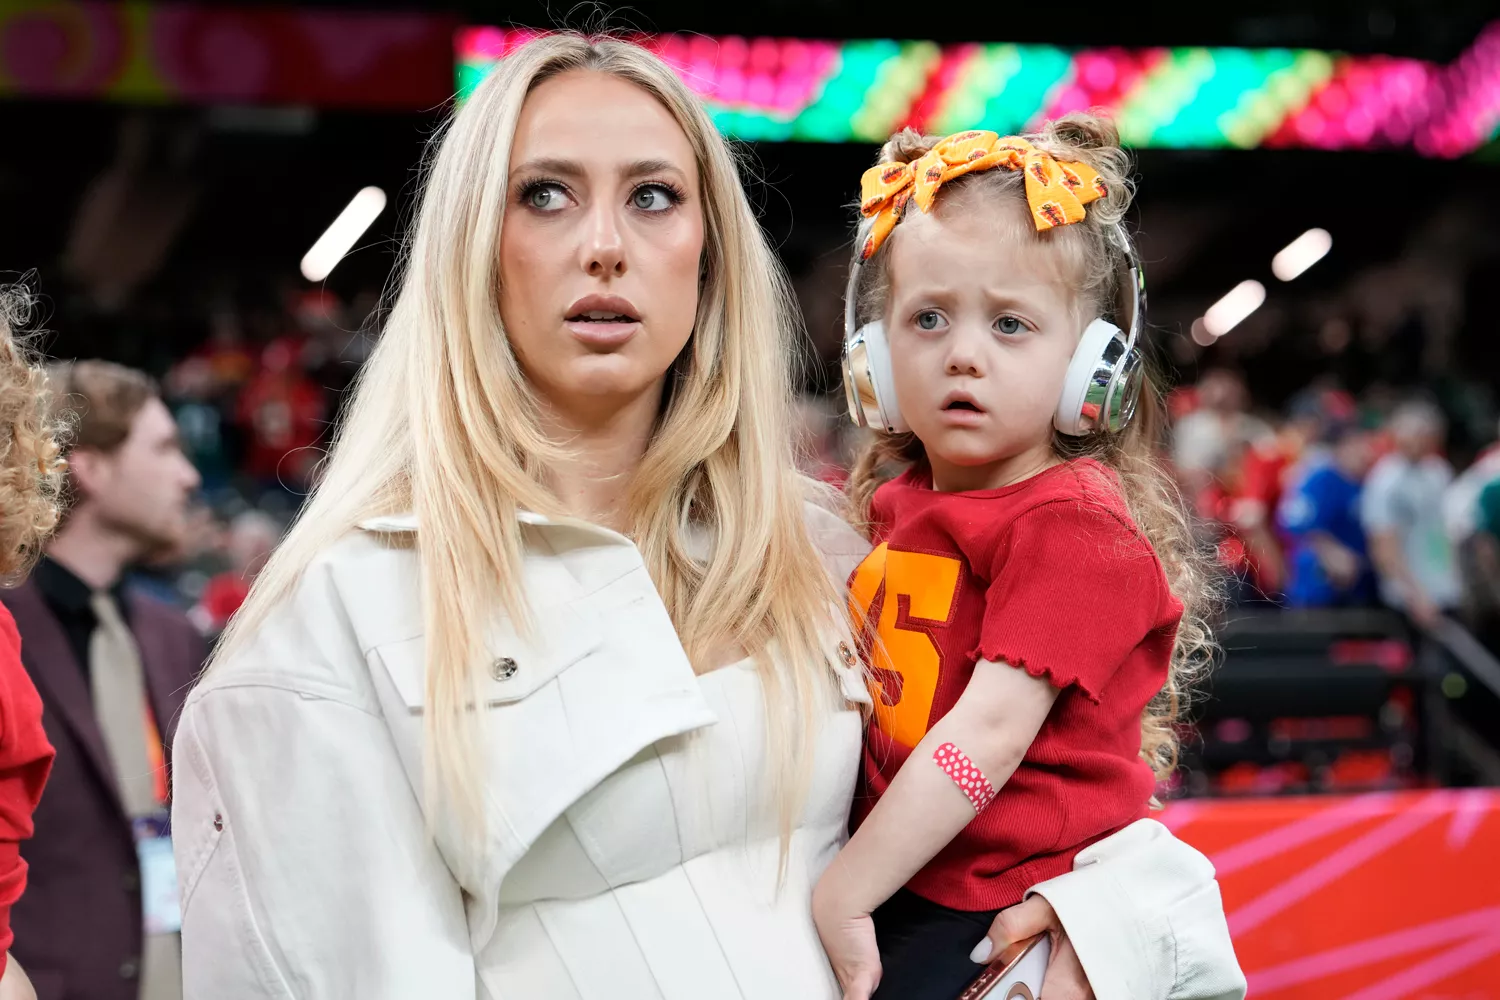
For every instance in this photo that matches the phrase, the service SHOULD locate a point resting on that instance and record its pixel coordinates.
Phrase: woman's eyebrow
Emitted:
(560, 167)
(550, 165)
(639, 168)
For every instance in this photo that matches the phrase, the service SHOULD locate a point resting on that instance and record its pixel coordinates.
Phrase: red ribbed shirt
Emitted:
(25, 761)
(1050, 575)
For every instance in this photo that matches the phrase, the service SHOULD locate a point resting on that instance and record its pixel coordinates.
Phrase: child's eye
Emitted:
(1010, 326)
(927, 319)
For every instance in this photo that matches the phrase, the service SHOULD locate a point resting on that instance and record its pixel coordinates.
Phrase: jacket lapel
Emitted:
(163, 689)
(57, 674)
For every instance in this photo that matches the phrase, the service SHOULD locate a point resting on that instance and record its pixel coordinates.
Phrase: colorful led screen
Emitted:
(783, 89)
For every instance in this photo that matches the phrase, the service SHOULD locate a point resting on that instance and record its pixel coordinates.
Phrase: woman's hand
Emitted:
(1065, 979)
(848, 937)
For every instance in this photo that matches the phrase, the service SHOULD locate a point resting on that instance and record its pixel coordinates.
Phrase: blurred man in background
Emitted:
(113, 667)
(1402, 513)
(1327, 559)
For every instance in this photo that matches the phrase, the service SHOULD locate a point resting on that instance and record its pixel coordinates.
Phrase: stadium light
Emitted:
(1301, 254)
(337, 240)
(1239, 302)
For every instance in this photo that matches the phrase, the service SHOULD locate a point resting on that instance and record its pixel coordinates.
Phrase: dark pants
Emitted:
(924, 948)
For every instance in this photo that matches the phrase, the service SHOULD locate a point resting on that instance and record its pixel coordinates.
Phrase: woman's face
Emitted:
(600, 248)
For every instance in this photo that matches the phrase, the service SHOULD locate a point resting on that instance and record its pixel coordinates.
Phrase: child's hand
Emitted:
(848, 937)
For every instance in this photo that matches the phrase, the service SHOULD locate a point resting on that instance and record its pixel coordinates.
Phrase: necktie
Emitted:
(120, 705)
(119, 689)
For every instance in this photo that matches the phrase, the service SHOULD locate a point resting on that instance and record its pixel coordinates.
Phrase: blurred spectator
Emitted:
(817, 441)
(284, 413)
(113, 667)
(228, 358)
(1485, 578)
(1327, 558)
(1461, 502)
(1403, 516)
(252, 536)
(191, 387)
(1208, 437)
(1272, 464)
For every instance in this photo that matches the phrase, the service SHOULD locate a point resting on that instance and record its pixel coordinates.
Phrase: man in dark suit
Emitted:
(113, 667)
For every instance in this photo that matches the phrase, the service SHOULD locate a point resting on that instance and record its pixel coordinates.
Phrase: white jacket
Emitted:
(632, 848)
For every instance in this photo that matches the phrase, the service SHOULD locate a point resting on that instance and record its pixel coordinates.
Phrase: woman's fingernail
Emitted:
(981, 952)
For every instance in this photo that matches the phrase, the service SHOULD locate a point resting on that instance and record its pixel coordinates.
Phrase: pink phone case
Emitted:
(1016, 974)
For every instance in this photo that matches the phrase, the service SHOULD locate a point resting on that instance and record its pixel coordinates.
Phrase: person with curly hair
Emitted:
(113, 665)
(31, 469)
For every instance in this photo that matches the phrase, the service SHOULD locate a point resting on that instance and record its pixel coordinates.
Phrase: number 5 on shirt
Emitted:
(918, 596)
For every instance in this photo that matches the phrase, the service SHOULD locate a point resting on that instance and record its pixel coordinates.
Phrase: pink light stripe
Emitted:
(1179, 814)
(1473, 805)
(1372, 950)
(1310, 880)
(1435, 969)
(1305, 830)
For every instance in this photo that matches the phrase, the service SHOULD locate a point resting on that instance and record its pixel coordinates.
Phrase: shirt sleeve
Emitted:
(1377, 506)
(1073, 590)
(1143, 911)
(25, 761)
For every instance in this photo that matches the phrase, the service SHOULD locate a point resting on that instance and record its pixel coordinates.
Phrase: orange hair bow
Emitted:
(1055, 191)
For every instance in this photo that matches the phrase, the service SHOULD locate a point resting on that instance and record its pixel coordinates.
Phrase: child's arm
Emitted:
(994, 722)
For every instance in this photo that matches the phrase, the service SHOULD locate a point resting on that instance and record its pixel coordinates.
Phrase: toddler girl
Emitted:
(1034, 601)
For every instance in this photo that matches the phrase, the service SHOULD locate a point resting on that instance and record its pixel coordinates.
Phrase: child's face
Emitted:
(982, 325)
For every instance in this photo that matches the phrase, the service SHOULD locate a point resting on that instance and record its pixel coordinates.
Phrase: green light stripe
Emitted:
(1165, 91)
(898, 82)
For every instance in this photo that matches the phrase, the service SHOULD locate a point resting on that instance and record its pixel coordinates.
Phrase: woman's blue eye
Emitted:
(928, 320)
(652, 198)
(545, 197)
(1010, 326)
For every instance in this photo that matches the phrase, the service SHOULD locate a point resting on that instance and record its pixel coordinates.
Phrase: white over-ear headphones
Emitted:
(1100, 390)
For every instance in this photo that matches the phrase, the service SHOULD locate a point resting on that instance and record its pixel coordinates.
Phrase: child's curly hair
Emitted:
(1093, 262)
(31, 462)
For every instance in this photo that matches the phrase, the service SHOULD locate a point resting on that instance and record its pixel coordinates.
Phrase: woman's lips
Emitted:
(602, 333)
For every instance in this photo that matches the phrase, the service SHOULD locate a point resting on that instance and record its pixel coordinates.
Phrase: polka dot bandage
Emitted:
(965, 774)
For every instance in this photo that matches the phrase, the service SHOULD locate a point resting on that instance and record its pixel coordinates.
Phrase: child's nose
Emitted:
(963, 355)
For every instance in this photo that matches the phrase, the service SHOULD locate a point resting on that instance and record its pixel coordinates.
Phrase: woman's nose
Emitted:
(604, 243)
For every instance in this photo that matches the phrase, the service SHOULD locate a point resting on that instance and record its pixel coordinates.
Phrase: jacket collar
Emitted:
(406, 523)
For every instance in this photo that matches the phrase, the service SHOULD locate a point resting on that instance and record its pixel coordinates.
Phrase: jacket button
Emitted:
(129, 968)
(131, 881)
(846, 654)
(503, 669)
(219, 822)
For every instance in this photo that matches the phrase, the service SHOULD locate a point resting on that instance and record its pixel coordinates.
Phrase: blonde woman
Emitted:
(547, 695)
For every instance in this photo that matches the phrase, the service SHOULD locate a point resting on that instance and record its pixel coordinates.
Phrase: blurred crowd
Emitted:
(1341, 501)
(253, 414)
(1334, 501)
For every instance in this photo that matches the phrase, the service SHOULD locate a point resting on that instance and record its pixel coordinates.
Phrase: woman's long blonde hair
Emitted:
(443, 423)
(1091, 258)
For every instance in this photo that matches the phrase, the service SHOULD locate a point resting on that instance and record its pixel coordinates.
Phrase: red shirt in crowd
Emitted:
(284, 413)
(25, 760)
(223, 596)
(1049, 575)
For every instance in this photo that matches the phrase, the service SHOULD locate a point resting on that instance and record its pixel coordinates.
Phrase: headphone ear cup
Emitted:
(871, 384)
(1090, 384)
